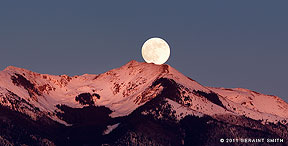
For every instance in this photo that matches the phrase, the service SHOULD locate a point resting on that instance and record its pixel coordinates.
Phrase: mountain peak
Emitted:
(132, 61)
(16, 69)
(12, 68)
(135, 65)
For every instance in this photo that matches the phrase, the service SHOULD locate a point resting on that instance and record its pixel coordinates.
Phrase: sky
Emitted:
(220, 43)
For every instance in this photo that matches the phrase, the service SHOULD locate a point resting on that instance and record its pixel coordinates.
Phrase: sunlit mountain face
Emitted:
(136, 104)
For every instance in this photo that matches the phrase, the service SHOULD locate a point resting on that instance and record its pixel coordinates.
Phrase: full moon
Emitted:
(155, 50)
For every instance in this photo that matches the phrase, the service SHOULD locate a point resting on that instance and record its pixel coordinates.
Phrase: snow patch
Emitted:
(182, 111)
(110, 128)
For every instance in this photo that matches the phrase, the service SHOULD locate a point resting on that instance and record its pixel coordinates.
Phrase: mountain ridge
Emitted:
(130, 69)
(138, 90)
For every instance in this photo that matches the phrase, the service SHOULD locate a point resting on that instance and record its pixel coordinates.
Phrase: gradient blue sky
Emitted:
(218, 43)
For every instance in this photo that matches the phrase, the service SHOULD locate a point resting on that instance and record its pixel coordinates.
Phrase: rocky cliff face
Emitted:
(136, 104)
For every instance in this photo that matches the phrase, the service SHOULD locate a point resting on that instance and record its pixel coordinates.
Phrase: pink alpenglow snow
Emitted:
(128, 105)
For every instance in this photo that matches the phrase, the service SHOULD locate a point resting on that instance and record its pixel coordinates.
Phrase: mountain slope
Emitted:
(112, 105)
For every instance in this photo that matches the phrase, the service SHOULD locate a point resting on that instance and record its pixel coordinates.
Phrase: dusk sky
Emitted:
(217, 43)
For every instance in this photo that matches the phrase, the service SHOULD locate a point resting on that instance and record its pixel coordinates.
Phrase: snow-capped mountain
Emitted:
(117, 104)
